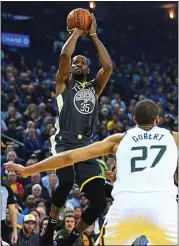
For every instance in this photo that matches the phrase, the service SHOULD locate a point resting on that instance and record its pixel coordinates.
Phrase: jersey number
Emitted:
(85, 107)
(161, 148)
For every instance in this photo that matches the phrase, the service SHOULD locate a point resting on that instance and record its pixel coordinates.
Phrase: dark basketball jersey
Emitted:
(77, 108)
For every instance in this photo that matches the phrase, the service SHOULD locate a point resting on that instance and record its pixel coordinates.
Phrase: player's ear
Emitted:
(88, 70)
(157, 120)
(134, 120)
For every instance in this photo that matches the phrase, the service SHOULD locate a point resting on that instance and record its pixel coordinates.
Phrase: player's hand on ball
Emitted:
(93, 24)
(21, 170)
(76, 30)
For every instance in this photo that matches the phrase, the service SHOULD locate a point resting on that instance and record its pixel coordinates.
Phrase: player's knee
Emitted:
(61, 193)
(100, 204)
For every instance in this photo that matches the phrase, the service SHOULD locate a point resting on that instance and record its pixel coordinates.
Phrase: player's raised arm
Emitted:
(67, 158)
(105, 60)
(62, 75)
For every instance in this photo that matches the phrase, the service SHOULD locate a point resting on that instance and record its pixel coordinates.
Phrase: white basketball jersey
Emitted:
(146, 161)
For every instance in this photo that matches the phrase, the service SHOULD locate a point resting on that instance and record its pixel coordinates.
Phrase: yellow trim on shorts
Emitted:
(94, 177)
(101, 235)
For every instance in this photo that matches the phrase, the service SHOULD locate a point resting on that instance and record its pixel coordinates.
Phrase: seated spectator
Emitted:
(12, 129)
(43, 227)
(114, 123)
(32, 143)
(74, 201)
(88, 236)
(42, 213)
(36, 179)
(6, 228)
(36, 214)
(69, 224)
(29, 204)
(53, 183)
(41, 204)
(26, 235)
(12, 156)
(37, 191)
(84, 202)
(77, 212)
(111, 162)
(16, 187)
(31, 124)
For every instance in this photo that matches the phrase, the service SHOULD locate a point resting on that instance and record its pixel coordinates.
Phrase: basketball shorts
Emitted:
(81, 173)
(134, 214)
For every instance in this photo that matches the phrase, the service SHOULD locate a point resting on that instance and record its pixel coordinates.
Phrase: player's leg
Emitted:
(118, 232)
(89, 179)
(95, 192)
(66, 181)
(164, 226)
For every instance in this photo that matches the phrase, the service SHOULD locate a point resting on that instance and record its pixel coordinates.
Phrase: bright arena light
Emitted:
(171, 14)
(92, 5)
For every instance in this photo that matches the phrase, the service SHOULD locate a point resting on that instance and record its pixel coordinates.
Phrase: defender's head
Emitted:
(79, 67)
(146, 113)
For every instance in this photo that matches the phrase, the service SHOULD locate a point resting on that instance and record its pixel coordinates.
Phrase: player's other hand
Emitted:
(111, 176)
(14, 238)
(21, 170)
(93, 24)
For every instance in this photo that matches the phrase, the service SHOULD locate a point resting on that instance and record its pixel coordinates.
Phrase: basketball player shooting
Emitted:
(76, 122)
(144, 191)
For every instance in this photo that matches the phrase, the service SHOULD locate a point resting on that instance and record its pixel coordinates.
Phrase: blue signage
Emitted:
(15, 40)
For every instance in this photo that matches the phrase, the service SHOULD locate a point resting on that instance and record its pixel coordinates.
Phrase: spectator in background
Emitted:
(53, 183)
(111, 162)
(84, 202)
(88, 236)
(41, 204)
(16, 187)
(36, 179)
(7, 201)
(32, 142)
(45, 179)
(69, 224)
(74, 202)
(77, 212)
(43, 227)
(6, 228)
(37, 191)
(36, 214)
(26, 235)
(113, 124)
(30, 203)
(12, 156)
(42, 213)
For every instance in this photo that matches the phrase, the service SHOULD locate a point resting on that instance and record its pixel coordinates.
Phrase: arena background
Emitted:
(142, 39)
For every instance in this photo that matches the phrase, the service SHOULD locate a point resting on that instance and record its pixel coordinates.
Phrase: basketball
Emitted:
(79, 18)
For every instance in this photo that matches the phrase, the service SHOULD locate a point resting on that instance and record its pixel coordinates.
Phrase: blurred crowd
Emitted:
(27, 121)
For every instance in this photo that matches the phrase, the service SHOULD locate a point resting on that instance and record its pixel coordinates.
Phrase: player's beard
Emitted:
(80, 77)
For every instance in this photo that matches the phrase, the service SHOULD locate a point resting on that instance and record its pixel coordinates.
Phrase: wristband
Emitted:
(92, 34)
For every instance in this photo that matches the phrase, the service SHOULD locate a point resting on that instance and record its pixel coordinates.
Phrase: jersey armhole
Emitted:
(171, 132)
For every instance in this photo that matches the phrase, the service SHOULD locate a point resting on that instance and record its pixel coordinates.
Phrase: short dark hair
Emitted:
(145, 112)
(39, 201)
(33, 209)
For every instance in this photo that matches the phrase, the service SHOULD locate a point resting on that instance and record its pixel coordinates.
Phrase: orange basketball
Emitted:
(79, 18)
